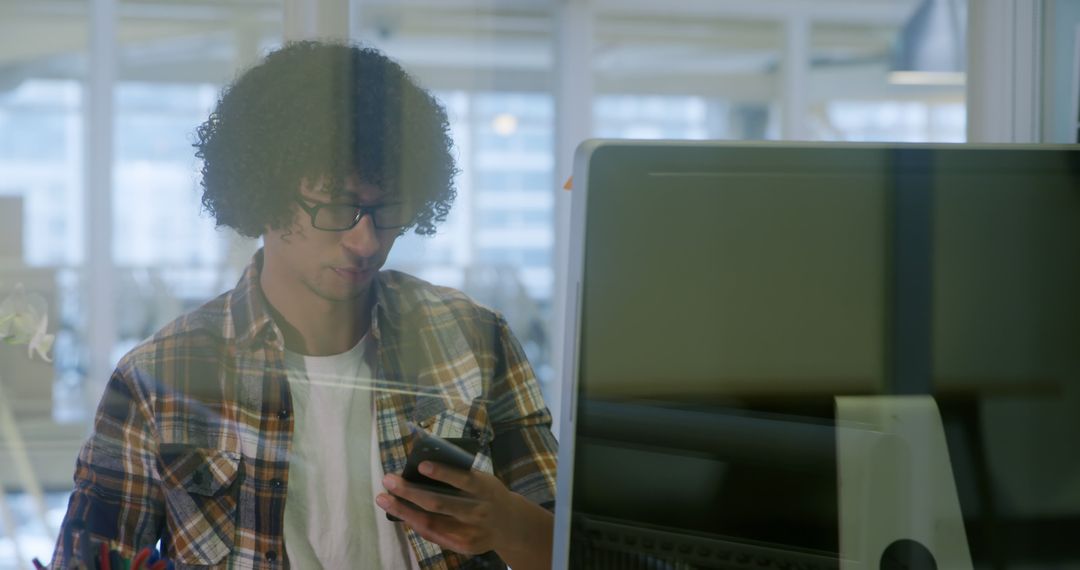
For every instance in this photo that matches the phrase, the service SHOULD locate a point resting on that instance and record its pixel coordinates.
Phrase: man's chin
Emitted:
(343, 295)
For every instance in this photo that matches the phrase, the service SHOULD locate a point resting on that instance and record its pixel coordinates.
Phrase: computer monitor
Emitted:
(721, 295)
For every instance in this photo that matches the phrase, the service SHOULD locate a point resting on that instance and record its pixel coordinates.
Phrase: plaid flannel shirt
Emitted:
(191, 440)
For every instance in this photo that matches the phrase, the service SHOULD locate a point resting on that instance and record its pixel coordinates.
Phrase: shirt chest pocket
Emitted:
(201, 488)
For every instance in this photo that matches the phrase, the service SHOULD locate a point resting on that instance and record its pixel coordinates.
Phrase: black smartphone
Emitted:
(457, 452)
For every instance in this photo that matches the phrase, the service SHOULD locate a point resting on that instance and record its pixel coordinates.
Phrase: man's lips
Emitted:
(352, 273)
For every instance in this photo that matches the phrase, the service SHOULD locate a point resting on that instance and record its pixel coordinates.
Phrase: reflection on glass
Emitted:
(817, 375)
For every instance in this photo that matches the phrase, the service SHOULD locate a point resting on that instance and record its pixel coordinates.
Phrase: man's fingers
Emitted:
(397, 507)
(424, 523)
(440, 529)
(460, 507)
(471, 482)
(409, 512)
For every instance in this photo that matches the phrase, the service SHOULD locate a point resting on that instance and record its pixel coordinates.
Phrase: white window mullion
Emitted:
(796, 73)
(316, 19)
(574, 21)
(99, 270)
(1004, 71)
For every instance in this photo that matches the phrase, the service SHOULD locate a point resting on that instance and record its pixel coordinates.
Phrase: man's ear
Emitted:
(282, 235)
(288, 233)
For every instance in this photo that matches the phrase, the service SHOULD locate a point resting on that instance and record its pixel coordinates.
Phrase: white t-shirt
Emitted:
(331, 520)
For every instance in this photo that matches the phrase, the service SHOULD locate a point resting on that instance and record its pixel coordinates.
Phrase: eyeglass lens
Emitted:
(343, 216)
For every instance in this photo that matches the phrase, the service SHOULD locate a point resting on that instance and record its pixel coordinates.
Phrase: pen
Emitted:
(104, 563)
(140, 559)
(38, 565)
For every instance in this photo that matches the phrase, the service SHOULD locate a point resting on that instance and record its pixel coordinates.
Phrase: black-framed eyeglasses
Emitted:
(336, 217)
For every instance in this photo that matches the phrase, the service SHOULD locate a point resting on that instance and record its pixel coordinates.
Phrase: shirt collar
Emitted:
(251, 318)
(247, 305)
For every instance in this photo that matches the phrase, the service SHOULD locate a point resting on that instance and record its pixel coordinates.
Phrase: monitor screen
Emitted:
(725, 293)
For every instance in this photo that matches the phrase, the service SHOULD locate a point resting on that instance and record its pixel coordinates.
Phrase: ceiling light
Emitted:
(931, 47)
(505, 124)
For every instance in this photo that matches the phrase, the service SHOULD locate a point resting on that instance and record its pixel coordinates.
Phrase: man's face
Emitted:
(334, 265)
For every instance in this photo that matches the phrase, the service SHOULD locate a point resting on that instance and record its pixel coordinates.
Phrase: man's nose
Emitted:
(361, 240)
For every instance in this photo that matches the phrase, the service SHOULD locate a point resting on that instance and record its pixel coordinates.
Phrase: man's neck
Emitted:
(315, 326)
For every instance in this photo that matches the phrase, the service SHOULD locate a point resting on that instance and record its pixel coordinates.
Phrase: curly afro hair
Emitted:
(319, 110)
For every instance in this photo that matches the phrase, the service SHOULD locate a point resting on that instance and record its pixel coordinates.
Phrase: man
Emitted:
(268, 428)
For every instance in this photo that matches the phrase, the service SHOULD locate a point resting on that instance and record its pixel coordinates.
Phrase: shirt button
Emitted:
(276, 483)
(271, 555)
(283, 414)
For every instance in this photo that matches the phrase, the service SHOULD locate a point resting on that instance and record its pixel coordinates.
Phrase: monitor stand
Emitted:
(898, 502)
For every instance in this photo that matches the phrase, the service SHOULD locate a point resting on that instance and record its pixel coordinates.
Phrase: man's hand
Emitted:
(487, 516)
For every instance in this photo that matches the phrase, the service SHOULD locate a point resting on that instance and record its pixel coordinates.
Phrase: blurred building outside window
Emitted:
(496, 243)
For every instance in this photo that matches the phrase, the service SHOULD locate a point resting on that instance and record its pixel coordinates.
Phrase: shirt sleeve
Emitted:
(117, 497)
(524, 451)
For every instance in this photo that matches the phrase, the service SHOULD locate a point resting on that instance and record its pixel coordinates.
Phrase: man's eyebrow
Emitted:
(377, 202)
(352, 198)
